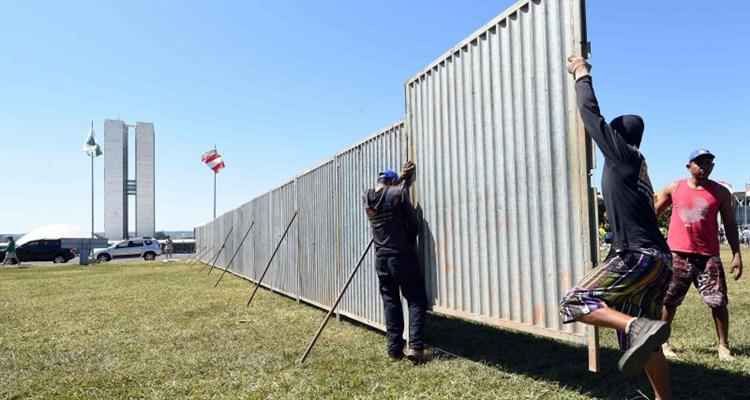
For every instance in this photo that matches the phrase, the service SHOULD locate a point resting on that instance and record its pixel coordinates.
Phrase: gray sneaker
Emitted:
(645, 337)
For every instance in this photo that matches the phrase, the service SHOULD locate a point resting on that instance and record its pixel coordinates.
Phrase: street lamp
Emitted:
(93, 150)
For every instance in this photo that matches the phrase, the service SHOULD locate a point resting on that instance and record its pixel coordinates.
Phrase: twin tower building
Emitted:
(118, 185)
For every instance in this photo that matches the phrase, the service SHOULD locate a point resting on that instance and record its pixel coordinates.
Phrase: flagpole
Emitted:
(214, 194)
(214, 189)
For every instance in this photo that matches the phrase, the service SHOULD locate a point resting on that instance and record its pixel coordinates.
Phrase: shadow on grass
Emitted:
(741, 351)
(566, 364)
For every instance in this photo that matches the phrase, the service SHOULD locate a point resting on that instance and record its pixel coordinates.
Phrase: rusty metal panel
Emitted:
(503, 173)
(358, 169)
(317, 197)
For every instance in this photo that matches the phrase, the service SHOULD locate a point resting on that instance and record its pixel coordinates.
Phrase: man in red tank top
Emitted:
(694, 241)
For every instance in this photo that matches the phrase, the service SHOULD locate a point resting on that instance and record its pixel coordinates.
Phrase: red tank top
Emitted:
(694, 227)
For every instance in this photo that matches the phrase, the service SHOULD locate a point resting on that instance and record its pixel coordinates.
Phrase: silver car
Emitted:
(147, 248)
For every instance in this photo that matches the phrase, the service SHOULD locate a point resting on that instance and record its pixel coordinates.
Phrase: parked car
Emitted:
(147, 248)
(44, 250)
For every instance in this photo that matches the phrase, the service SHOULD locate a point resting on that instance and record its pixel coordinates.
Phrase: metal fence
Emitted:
(503, 185)
(358, 168)
(503, 171)
(317, 196)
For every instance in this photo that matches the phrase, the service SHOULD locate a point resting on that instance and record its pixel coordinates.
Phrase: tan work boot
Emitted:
(725, 354)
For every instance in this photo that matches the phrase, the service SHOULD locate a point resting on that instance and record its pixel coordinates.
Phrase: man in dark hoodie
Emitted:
(625, 292)
(394, 231)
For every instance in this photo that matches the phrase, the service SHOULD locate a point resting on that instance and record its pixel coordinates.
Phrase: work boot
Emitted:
(725, 354)
(416, 356)
(396, 351)
(645, 336)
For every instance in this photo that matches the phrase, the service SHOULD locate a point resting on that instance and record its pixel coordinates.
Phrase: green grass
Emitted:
(161, 331)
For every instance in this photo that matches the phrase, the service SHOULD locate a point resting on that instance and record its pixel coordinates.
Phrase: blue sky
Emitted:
(279, 86)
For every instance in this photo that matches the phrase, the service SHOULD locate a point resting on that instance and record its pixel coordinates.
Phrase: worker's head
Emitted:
(701, 164)
(630, 128)
(388, 177)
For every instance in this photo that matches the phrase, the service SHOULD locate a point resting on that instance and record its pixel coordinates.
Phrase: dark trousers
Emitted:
(400, 274)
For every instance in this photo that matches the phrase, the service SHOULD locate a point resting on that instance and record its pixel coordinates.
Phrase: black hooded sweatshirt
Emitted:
(626, 187)
(392, 219)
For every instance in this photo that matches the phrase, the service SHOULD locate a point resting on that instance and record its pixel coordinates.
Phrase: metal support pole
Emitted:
(268, 265)
(92, 195)
(214, 195)
(338, 300)
(220, 249)
(235, 253)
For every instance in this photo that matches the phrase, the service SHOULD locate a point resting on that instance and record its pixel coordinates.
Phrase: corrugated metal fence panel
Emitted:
(225, 223)
(358, 169)
(282, 276)
(242, 219)
(502, 174)
(262, 245)
(244, 262)
(317, 197)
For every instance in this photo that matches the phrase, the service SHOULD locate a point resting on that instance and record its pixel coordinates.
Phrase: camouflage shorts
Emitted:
(706, 273)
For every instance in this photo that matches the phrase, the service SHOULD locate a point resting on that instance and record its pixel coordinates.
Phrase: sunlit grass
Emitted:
(161, 331)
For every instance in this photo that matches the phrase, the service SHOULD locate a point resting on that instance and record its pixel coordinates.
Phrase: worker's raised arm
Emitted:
(612, 145)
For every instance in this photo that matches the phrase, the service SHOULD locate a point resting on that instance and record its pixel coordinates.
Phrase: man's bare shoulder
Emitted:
(669, 189)
(721, 191)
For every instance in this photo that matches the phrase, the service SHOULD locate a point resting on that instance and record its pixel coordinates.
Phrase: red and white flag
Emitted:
(213, 160)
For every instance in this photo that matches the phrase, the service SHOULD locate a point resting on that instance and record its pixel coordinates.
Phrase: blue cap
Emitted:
(388, 176)
(700, 153)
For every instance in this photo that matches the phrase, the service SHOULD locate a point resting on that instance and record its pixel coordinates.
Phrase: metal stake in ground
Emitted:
(272, 256)
(235, 254)
(333, 308)
(220, 249)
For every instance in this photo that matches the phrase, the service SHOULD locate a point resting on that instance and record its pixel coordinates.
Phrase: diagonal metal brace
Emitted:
(268, 265)
(213, 263)
(235, 253)
(197, 256)
(335, 304)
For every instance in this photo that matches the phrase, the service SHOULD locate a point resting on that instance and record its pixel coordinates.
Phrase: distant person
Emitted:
(626, 291)
(394, 227)
(694, 241)
(10, 253)
(746, 235)
(169, 248)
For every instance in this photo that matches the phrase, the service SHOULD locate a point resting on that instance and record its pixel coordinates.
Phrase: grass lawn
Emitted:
(161, 331)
